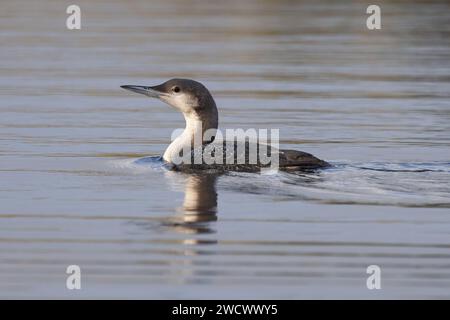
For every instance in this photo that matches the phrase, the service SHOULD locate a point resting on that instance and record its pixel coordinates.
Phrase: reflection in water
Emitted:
(200, 201)
(199, 205)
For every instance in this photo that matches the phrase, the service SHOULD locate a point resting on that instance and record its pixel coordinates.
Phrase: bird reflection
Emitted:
(199, 206)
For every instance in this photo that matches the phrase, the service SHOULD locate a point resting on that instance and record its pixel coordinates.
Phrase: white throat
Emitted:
(191, 137)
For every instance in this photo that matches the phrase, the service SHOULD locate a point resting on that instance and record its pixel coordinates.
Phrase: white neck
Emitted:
(191, 136)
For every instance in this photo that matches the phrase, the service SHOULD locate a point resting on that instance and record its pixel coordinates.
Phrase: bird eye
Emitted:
(176, 89)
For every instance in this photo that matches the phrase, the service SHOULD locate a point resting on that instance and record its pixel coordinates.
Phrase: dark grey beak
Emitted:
(148, 91)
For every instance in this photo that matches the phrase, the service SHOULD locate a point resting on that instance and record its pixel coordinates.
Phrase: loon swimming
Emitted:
(200, 113)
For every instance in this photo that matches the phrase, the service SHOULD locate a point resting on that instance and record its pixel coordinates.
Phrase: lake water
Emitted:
(376, 104)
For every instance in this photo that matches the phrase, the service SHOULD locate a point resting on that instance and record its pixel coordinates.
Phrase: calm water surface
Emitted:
(374, 103)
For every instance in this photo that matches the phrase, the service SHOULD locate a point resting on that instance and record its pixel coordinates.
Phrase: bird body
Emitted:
(197, 147)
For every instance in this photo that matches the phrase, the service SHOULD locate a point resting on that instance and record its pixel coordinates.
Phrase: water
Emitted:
(373, 103)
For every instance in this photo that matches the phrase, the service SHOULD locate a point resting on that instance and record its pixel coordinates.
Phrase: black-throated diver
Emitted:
(200, 113)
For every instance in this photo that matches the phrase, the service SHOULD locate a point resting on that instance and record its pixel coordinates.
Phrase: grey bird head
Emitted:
(189, 96)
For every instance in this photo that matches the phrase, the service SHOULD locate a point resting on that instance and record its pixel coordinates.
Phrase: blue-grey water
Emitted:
(376, 104)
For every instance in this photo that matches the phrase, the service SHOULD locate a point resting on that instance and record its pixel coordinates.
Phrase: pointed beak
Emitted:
(148, 91)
